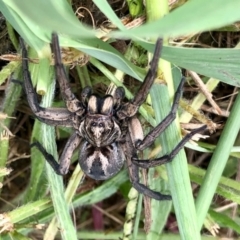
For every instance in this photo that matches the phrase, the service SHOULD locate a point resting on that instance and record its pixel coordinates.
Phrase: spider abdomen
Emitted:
(101, 163)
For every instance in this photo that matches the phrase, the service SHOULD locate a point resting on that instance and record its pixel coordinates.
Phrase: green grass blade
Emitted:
(70, 191)
(7, 70)
(178, 175)
(8, 107)
(192, 17)
(218, 162)
(36, 29)
(225, 221)
(160, 210)
(227, 188)
(141, 236)
(177, 170)
(222, 64)
(26, 211)
(55, 181)
(105, 8)
(104, 191)
(37, 184)
(4, 145)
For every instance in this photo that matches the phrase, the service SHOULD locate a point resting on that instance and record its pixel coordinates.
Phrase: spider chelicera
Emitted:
(106, 129)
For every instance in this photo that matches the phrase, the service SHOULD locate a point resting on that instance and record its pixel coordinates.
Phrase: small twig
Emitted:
(108, 214)
(89, 12)
(200, 117)
(209, 109)
(232, 97)
(205, 91)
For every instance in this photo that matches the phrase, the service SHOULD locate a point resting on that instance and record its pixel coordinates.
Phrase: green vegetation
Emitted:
(183, 25)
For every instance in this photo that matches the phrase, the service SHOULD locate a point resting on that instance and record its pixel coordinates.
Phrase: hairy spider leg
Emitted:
(60, 72)
(118, 97)
(130, 108)
(148, 81)
(154, 133)
(62, 167)
(72, 103)
(144, 163)
(133, 170)
(56, 116)
(128, 111)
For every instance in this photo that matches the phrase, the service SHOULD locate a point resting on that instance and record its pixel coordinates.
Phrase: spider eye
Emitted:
(101, 125)
(93, 124)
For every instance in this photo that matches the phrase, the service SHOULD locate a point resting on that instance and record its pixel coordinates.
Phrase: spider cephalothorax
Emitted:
(99, 127)
(105, 129)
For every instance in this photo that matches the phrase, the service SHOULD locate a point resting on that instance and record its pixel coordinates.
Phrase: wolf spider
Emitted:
(106, 129)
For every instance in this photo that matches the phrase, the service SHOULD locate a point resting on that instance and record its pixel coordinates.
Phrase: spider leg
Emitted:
(118, 97)
(168, 157)
(72, 103)
(130, 109)
(65, 159)
(57, 116)
(133, 170)
(154, 133)
(150, 77)
(134, 178)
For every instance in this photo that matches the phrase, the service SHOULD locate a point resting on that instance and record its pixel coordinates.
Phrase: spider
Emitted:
(106, 129)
